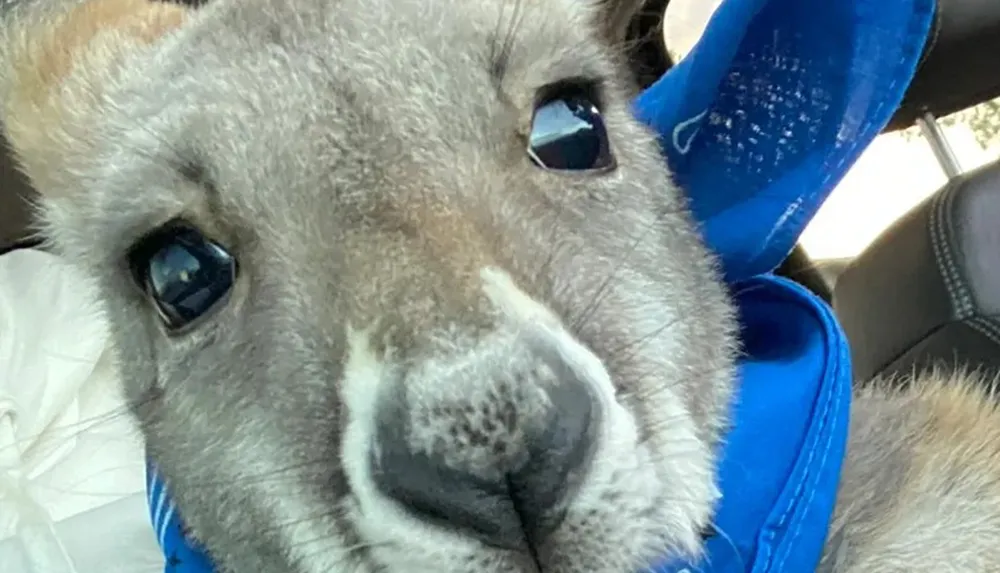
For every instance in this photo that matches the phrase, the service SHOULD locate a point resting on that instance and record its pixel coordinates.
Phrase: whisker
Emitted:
(732, 544)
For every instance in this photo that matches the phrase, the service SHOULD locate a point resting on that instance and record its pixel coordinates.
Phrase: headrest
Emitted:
(959, 66)
(766, 114)
(926, 292)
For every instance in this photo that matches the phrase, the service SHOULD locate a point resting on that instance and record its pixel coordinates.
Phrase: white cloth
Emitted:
(72, 492)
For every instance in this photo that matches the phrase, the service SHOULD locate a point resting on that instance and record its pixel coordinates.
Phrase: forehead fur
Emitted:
(265, 95)
(65, 63)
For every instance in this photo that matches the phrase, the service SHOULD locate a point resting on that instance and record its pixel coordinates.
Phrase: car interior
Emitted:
(927, 291)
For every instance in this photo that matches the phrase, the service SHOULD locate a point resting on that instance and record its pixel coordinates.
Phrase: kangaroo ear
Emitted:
(614, 16)
(54, 66)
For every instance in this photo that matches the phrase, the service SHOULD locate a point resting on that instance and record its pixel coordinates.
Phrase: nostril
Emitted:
(452, 498)
(558, 456)
(505, 508)
(428, 486)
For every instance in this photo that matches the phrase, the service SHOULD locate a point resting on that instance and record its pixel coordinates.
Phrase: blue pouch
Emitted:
(759, 123)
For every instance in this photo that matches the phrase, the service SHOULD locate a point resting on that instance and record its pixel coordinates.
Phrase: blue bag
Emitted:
(759, 123)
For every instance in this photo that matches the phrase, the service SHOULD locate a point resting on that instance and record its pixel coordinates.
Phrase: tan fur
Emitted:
(921, 484)
(57, 64)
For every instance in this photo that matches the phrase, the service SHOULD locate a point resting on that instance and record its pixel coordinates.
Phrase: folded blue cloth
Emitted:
(772, 107)
(759, 123)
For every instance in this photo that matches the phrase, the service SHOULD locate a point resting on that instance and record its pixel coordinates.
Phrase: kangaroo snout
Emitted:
(490, 440)
(496, 462)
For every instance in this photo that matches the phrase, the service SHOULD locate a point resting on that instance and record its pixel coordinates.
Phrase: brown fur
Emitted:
(57, 64)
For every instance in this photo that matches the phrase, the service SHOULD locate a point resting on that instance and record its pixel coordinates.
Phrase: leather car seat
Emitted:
(927, 291)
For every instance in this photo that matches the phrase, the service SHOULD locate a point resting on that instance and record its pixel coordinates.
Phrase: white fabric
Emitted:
(72, 493)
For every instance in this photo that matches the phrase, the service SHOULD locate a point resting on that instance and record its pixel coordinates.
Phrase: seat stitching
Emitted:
(951, 243)
(942, 255)
(936, 248)
(988, 327)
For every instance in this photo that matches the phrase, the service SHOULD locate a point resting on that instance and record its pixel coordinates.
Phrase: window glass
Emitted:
(895, 173)
(684, 23)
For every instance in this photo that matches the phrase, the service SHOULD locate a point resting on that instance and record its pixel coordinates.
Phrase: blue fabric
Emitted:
(180, 554)
(769, 110)
(781, 461)
(759, 123)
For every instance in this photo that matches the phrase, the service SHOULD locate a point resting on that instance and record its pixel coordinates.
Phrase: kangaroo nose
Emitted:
(509, 506)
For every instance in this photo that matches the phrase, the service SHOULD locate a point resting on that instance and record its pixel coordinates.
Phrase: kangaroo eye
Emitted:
(568, 134)
(185, 275)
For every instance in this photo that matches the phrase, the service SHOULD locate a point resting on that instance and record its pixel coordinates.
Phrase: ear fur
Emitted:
(55, 63)
(614, 16)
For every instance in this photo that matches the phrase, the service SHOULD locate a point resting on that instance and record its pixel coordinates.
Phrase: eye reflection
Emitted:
(185, 274)
(568, 134)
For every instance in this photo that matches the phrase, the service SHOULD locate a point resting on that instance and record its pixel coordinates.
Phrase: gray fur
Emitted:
(365, 161)
(920, 489)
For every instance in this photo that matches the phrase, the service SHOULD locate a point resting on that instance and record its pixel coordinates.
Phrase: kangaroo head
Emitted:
(394, 285)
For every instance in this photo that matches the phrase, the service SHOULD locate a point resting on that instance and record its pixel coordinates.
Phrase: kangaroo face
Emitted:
(395, 286)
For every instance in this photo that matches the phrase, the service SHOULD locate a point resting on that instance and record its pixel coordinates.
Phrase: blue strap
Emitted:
(181, 554)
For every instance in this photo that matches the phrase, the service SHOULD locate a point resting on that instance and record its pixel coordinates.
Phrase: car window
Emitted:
(893, 175)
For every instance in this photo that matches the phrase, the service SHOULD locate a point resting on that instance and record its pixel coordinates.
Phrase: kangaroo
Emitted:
(401, 286)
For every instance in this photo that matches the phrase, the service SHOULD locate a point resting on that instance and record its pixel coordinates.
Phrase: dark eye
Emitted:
(185, 274)
(568, 134)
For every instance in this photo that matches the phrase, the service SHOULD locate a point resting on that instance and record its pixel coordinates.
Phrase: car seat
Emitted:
(926, 292)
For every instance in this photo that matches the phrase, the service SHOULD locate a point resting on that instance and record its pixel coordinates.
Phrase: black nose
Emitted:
(521, 507)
